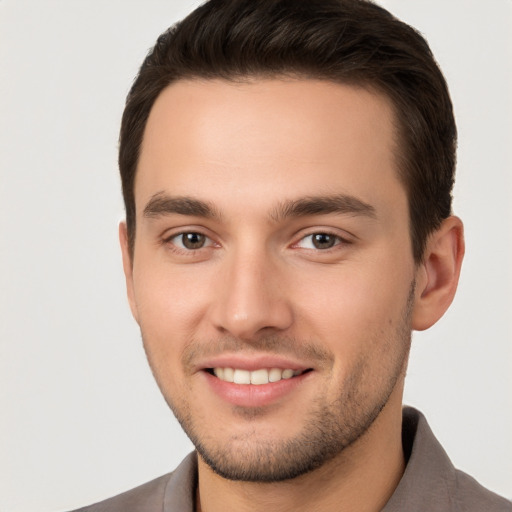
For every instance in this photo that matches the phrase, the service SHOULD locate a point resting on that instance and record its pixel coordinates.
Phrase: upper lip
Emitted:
(252, 362)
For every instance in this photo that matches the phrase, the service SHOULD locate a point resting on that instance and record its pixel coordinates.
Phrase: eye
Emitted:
(190, 241)
(319, 241)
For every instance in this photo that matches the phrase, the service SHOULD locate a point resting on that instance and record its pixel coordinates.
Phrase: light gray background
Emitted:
(80, 416)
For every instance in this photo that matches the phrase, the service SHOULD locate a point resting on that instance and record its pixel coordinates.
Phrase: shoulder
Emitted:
(430, 480)
(149, 496)
(173, 492)
(471, 496)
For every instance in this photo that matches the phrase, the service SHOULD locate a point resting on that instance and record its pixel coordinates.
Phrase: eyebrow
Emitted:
(322, 205)
(162, 204)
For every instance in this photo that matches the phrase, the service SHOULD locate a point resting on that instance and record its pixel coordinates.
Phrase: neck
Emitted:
(363, 477)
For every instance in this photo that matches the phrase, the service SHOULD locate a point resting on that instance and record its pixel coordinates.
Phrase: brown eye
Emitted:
(192, 240)
(323, 240)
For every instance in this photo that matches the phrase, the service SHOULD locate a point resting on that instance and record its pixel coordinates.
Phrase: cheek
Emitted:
(164, 303)
(352, 310)
(169, 300)
(360, 295)
(361, 321)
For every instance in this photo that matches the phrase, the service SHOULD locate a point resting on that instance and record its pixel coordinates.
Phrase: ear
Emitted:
(437, 276)
(128, 268)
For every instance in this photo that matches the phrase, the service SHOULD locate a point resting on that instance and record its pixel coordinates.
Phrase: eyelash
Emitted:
(339, 240)
(168, 241)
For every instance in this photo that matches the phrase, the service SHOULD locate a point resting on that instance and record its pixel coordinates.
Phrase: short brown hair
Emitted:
(345, 41)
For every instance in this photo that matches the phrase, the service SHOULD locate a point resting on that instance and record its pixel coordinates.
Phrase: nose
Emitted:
(251, 297)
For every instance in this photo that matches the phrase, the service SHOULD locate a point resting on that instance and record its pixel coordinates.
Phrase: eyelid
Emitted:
(166, 238)
(171, 232)
(208, 241)
(336, 238)
(342, 238)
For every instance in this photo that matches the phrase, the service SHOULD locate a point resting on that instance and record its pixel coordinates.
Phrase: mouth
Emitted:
(256, 377)
(255, 382)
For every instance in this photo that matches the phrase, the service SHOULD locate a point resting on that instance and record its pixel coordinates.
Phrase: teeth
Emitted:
(242, 377)
(229, 374)
(256, 377)
(274, 375)
(259, 377)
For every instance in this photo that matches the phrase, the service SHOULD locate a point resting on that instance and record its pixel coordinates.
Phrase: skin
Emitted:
(259, 287)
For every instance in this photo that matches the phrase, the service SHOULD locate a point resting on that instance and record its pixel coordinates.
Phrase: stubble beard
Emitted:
(328, 430)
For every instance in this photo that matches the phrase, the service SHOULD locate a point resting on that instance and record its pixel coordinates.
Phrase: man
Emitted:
(287, 171)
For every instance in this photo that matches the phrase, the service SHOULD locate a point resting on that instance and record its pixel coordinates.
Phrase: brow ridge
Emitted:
(162, 204)
(322, 205)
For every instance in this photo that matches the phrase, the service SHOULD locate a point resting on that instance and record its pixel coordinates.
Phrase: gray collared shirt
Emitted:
(430, 482)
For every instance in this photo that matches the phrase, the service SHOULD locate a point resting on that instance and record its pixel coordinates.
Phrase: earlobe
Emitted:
(438, 275)
(128, 268)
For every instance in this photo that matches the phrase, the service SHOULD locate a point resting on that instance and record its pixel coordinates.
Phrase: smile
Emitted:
(256, 377)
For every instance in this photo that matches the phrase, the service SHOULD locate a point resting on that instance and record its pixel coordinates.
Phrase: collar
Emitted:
(430, 481)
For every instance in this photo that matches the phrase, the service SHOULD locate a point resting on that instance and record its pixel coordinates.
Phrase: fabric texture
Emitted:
(430, 482)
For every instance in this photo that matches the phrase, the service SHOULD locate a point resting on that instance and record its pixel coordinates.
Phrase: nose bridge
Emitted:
(250, 297)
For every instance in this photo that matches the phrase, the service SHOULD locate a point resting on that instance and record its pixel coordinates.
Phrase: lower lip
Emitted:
(250, 395)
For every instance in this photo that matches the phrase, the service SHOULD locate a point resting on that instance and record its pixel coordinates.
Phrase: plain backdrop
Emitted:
(80, 416)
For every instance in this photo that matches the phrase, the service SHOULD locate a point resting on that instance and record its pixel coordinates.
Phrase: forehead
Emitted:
(302, 136)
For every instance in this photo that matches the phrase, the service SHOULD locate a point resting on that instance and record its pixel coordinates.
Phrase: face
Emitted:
(272, 274)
